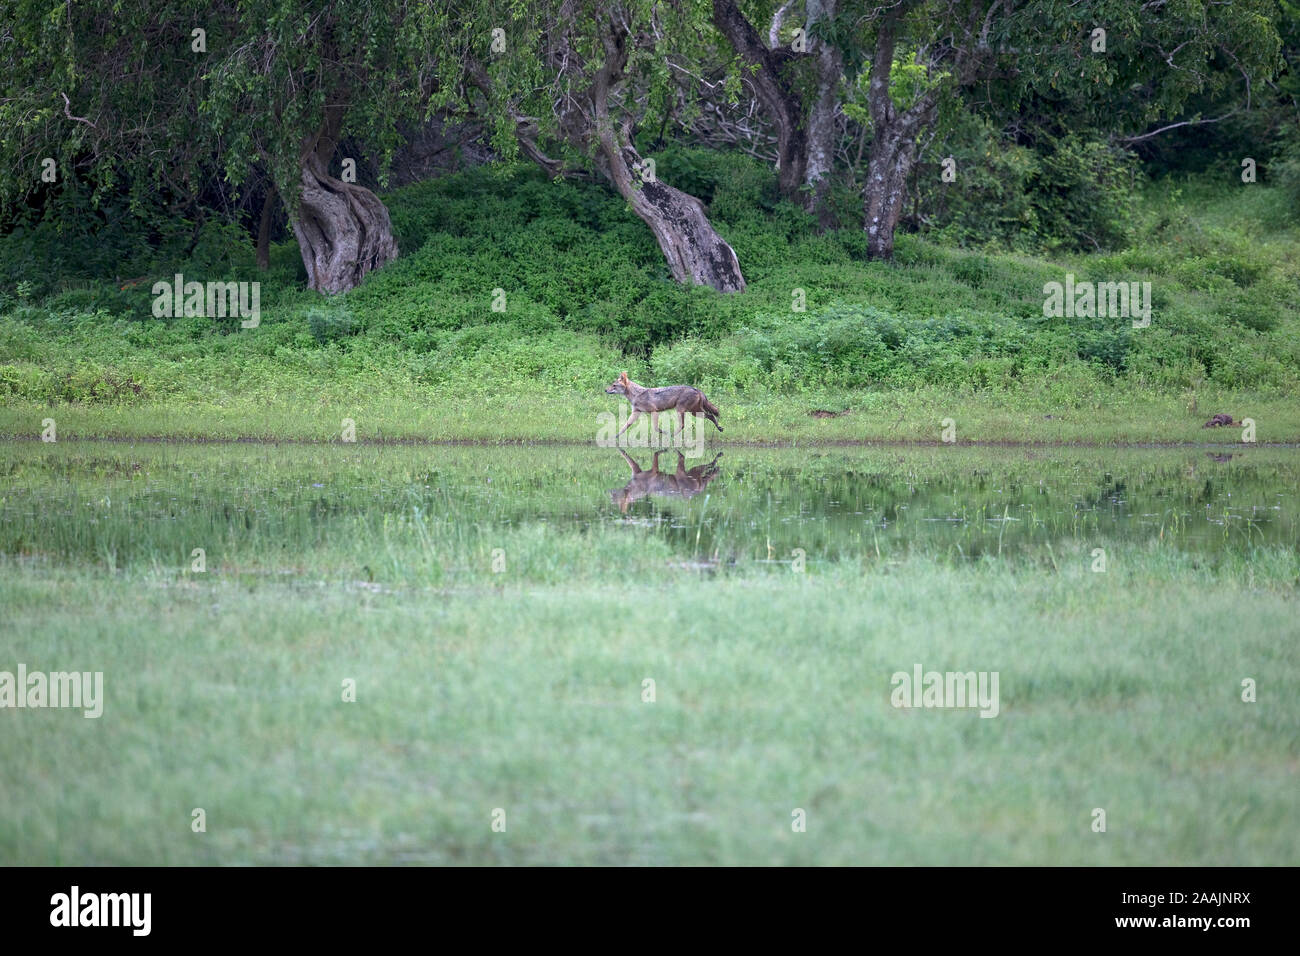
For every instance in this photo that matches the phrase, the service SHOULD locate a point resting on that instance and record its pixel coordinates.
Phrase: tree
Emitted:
(290, 78)
(1044, 65)
(894, 134)
(167, 95)
(103, 100)
(1045, 58)
(581, 74)
(802, 113)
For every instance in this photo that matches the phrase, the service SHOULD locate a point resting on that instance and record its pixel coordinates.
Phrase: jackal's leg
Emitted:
(636, 413)
(636, 469)
(670, 424)
(654, 427)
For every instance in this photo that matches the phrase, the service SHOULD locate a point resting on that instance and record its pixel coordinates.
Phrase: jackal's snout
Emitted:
(620, 385)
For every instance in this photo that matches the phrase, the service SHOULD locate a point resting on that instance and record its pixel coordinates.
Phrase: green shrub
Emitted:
(990, 202)
(586, 292)
(1083, 194)
(330, 324)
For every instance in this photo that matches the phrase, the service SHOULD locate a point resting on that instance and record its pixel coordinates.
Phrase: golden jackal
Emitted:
(683, 398)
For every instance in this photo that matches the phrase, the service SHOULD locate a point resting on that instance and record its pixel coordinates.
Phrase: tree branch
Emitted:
(67, 111)
(1164, 129)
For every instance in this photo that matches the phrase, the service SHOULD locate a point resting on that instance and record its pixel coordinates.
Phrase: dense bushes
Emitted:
(1068, 194)
(852, 346)
(581, 290)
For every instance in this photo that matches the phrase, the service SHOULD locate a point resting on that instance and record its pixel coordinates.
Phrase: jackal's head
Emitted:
(620, 385)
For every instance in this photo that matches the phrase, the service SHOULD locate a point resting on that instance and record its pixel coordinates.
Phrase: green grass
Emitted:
(522, 690)
(1119, 691)
(418, 352)
(522, 412)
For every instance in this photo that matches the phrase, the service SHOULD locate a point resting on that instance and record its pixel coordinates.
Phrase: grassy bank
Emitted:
(522, 413)
(520, 686)
(1119, 691)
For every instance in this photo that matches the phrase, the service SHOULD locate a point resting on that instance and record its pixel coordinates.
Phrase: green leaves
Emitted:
(160, 117)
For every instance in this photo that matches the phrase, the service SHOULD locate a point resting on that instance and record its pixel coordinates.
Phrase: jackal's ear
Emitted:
(622, 376)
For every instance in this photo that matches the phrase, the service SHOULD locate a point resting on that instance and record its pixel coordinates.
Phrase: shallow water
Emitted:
(120, 504)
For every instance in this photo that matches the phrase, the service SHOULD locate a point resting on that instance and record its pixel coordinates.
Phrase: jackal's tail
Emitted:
(710, 410)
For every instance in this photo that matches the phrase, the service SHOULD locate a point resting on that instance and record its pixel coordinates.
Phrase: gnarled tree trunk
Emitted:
(892, 156)
(821, 118)
(773, 88)
(693, 248)
(893, 147)
(805, 135)
(343, 229)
